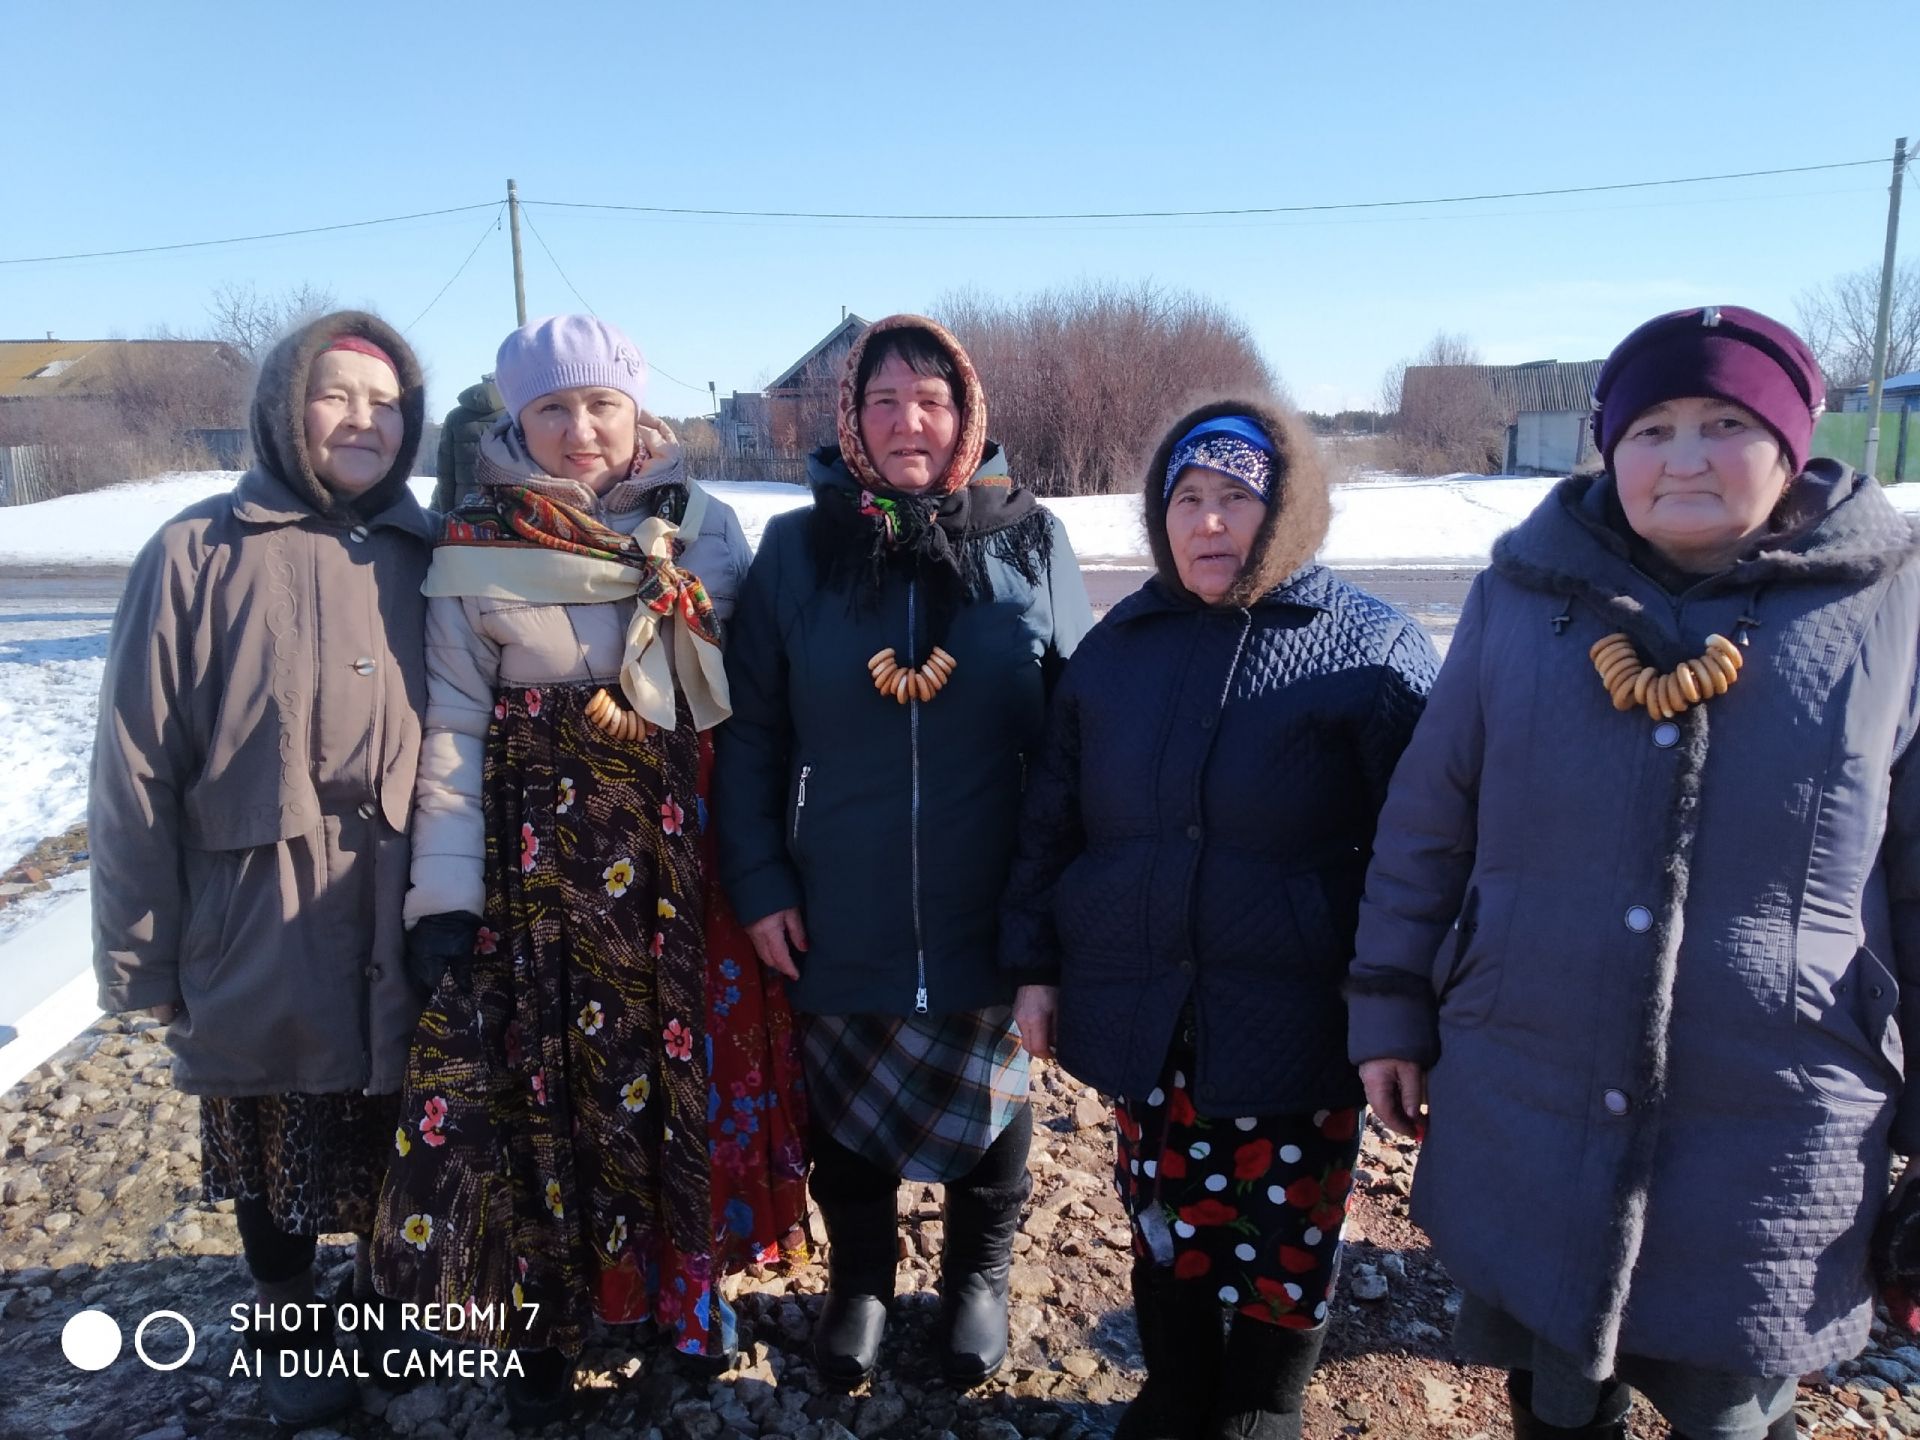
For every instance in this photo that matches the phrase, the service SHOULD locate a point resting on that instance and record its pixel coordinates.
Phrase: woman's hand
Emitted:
(659, 447)
(1034, 1007)
(775, 939)
(1397, 1091)
(163, 1013)
(1907, 1177)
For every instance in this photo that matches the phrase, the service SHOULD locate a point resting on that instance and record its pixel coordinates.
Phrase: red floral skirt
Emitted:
(1250, 1207)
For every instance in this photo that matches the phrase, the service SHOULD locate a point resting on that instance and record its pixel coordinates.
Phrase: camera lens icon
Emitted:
(91, 1340)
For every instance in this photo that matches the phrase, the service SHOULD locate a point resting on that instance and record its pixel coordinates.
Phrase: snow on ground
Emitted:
(50, 670)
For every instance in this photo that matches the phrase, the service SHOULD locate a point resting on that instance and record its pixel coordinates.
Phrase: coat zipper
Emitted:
(913, 730)
(800, 803)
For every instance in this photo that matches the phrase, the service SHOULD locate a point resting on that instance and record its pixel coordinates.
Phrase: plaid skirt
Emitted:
(920, 1095)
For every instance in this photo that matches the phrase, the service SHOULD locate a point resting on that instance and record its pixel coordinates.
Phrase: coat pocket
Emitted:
(212, 876)
(1468, 968)
(1848, 1045)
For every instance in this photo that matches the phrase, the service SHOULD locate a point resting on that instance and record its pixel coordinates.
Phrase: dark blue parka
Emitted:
(889, 826)
(1198, 825)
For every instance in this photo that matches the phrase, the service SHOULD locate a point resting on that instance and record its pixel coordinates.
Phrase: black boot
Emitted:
(1609, 1419)
(1184, 1340)
(542, 1393)
(857, 1202)
(1263, 1380)
(976, 1266)
(976, 1259)
(304, 1378)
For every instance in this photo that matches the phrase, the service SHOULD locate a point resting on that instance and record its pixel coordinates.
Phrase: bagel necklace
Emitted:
(1631, 682)
(610, 717)
(902, 683)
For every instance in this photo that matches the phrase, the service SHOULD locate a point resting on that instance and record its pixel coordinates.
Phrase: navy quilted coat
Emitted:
(1665, 975)
(1198, 822)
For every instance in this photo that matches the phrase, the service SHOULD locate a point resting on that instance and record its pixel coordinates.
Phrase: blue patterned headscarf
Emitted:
(1231, 445)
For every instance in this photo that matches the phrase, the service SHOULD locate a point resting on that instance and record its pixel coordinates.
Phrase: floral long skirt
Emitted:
(553, 1159)
(1250, 1207)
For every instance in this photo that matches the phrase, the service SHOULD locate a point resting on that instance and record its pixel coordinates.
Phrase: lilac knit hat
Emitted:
(1724, 351)
(562, 351)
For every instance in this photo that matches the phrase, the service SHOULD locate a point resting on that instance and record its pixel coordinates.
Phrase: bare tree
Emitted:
(1448, 419)
(1838, 319)
(251, 321)
(1080, 378)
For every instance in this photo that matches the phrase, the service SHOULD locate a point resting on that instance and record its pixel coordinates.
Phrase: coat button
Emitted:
(363, 666)
(1206, 722)
(1193, 832)
(1616, 1102)
(358, 534)
(1666, 734)
(1639, 919)
(373, 972)
(367, 810)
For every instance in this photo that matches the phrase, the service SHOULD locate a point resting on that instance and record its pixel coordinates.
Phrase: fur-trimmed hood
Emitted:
(1297, 514)
(278, 420)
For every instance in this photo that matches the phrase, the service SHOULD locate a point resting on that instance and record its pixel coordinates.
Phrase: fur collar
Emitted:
(1850, 534)
(1298, 513)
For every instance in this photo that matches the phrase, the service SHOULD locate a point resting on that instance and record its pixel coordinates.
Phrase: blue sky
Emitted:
(147, 124)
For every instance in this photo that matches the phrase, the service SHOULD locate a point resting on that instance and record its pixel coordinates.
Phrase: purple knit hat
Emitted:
(1723, 351)
(562, 351)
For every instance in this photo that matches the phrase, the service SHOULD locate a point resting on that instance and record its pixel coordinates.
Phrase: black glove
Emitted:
(439, 943)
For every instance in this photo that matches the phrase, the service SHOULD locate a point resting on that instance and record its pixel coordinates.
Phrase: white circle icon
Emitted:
(91, 1340)
(140, 1335)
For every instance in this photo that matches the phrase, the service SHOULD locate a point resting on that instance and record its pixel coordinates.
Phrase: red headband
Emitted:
(355, 345)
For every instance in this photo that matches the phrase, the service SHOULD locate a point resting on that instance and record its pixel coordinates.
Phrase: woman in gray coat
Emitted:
(252, 787)
(1644, 898)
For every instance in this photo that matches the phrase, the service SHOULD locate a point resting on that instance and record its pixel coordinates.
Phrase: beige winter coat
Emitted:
(477, 646)
(253, 776)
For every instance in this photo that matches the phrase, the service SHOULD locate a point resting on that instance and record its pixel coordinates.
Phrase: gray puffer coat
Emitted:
(1664, 974)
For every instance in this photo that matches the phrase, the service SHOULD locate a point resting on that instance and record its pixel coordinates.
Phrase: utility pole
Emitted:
(519, 270)
(1886, 305)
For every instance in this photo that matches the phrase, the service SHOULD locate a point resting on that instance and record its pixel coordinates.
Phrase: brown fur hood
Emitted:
(1297, 514)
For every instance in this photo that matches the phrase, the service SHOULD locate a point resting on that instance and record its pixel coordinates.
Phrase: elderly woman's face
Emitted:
(353, 421)
(586, 433)
(1698, 478)
(1211, 522)
(910, 424)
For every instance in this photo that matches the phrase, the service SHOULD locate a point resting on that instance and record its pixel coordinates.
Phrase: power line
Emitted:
(652, 365)
(244, 239)
(493, 224)
(556, 265)
(1206, 214)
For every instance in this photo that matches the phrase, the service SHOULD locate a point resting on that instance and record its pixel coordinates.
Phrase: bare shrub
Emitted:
(1080, 379)
(250, 321)
(1449, 419)
(1838, 320)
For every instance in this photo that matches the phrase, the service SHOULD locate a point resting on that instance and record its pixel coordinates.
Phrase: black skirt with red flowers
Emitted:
(1251, 1207)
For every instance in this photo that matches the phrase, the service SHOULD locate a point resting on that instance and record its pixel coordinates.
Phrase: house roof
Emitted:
(1909, 381)
(30, 368)
(1550, 385)
(850, 326)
